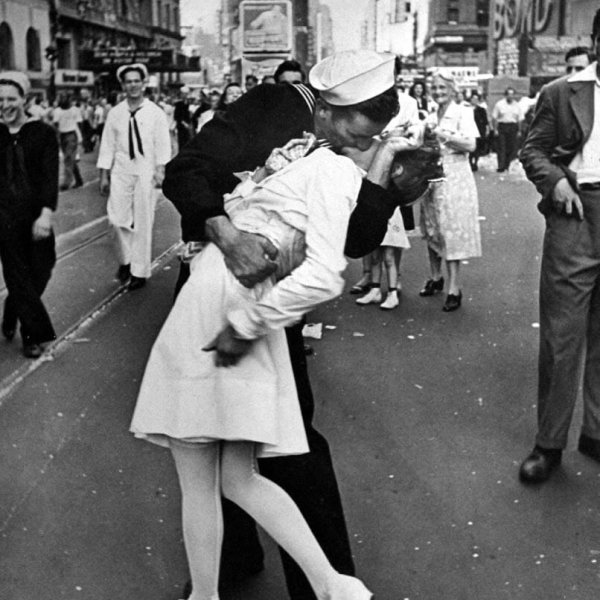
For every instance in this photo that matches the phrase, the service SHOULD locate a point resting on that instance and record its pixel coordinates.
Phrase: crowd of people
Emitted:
(277, 182)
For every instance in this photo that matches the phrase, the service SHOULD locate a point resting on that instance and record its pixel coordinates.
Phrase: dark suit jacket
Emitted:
(240, 139)
(562, 123)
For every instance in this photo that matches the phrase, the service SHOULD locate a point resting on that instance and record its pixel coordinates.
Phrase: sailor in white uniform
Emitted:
(133, 153)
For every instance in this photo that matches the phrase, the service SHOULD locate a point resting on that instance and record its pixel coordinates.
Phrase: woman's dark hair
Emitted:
(64, 102)
(379, 109)
(222, 105)
(288, 65)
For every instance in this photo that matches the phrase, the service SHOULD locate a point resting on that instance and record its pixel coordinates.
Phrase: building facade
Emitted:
(24, 34)
(530, 37)
(457, 34)
(72, 45)
(257, 35)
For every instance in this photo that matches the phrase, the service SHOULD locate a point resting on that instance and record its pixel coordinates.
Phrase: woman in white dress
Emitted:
(218, 420)
(450, 209)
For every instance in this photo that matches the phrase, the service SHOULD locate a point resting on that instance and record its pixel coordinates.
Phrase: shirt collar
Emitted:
(588, 74)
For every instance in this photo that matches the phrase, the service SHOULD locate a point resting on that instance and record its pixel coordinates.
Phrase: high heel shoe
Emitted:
(453, 302)
(349, 588)
(432, 286)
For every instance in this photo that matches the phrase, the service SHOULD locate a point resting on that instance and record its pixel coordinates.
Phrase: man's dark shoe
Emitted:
(540, 464)
(135, 283)
(589, 446)
(8, 331)
(124, 273)
(32, 350)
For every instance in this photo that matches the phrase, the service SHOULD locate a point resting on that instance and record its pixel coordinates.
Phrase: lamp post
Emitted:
(51, 52)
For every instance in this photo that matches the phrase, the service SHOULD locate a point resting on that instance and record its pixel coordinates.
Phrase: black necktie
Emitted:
(133, 127)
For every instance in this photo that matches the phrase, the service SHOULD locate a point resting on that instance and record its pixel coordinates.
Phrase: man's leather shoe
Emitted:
(8, 331)
(540, 464)
(32, 350)
(135, 283)
(589, 446)
(123, 273)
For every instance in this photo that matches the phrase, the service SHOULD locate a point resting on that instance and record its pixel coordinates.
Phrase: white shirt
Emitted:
(315, 194)
(408, 113)
(586, 163)
(67, 120)
(504, 112)
(458, 120)
(154, 132)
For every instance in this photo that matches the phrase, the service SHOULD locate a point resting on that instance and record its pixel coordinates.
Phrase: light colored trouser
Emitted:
(570, 324)
(130, 210)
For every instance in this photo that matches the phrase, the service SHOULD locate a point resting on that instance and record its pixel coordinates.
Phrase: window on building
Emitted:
(7, 47)
(175, 19)
(159, 13)
(453, 12)
(124, 8)
(407, 8)
(168, 17)
(34, 50)
(483, 13)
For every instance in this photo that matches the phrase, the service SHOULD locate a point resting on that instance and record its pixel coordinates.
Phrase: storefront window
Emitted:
(34, 53)
(7, 48)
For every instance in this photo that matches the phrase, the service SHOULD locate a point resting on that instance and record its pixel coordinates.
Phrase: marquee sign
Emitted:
(156, 59)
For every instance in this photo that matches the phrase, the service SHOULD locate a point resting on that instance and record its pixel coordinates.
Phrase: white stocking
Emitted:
(198, 471)
(275, 512)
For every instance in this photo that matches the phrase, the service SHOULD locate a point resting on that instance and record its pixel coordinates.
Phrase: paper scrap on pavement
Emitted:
(358, 334)
(313, 330)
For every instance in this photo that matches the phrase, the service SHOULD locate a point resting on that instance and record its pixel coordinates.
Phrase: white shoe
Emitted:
(349, 588)
(373, 296)
(391, 301)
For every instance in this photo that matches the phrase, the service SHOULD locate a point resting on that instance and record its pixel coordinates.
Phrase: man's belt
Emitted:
(592, 186)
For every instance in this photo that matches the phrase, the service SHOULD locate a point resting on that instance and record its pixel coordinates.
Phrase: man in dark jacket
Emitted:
(263, 119)
(28, 197)
(560, 156)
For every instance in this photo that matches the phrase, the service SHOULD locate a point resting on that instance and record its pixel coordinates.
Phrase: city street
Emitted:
(428, 415)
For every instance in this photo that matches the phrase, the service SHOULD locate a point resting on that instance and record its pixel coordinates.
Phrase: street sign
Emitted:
(266, 26)
(73, 78)
(155, 59)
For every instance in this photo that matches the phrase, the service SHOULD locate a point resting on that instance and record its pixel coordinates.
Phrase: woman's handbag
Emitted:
(412, 170)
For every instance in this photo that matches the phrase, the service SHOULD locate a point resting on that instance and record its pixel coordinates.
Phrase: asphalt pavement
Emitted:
(428, 414)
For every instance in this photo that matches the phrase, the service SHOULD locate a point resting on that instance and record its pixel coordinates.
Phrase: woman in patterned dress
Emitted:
(450, 210)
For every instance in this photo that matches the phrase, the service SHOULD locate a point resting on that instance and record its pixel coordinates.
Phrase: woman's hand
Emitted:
(229, 348)
(42, 226)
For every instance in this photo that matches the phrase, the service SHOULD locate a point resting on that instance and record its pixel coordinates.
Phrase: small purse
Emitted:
(412, 170)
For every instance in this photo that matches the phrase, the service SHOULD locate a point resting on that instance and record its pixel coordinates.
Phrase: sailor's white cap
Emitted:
(17, 78)
(353, 76)
(134, 66)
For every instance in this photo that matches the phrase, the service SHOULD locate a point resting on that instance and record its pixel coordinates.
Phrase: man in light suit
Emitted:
(561, 157)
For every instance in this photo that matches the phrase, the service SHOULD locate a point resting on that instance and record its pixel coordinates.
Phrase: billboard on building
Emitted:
(266, 26)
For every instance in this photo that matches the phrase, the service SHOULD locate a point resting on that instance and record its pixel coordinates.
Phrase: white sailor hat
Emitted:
(18, 79)
(134, 66)
(353, 76)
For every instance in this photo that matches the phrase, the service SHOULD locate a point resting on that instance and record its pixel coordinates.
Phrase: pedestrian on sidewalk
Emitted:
(29, 184)
(67, 118)
(450, 209)
(135, 147)
(481, 120)
(387, 258)
(507, 119)
(265, 118)
(560, 156)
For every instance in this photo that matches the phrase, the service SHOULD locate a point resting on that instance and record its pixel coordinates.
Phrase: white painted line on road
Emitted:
(81, 229)
(12, 381)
